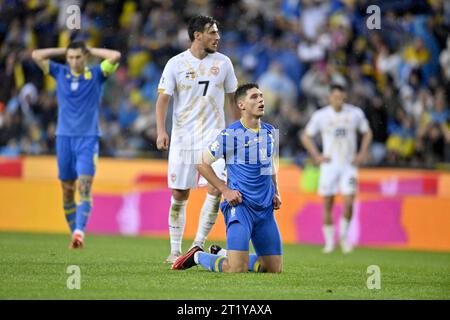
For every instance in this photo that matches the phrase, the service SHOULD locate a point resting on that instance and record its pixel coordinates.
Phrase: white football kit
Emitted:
(339, 139)
(198, 89)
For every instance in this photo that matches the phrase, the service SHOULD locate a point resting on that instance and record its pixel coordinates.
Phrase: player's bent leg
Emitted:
(85, 206)
(208, 215)
(85, 150)
(236, 261)
(84, 209)
(348, 206)
(345, 223)
(253, 262)
(328, 229)
(328, 186)
(177, 221)
(272, 264)
(67, 174)
(238, 238)
(266, 240)
(70, 206)
(328, 209)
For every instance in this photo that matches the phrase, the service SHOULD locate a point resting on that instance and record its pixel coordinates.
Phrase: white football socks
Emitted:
(328, 235)
(343, 229)
(177, 221)
(196, 257)
(207, 219)
(222, 252)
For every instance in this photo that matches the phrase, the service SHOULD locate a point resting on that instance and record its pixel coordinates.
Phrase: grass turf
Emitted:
(33, 266)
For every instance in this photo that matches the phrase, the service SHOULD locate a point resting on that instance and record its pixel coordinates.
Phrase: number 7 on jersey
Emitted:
(206, 83)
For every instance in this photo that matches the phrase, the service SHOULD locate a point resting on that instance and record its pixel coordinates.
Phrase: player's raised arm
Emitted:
(233, 197)
(162, 103)
(111, 59)
(113, 56)
(41, 57)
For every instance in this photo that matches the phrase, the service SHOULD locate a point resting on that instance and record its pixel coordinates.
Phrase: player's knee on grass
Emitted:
(237, 261)
(238, 269)
(271, 264)
(238, 238)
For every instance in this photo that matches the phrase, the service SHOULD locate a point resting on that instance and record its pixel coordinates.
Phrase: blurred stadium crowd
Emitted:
(399, 75)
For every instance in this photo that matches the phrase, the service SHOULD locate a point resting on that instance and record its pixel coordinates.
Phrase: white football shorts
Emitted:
(182, 173)
(334, 179)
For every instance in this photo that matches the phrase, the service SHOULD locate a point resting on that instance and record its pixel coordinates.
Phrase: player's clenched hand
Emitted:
(162, 141)
(233, 197)
(321, 159)
(276, 201)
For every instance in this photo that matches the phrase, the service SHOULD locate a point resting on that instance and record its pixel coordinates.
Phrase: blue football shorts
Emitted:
(244, 224)
(76, 156)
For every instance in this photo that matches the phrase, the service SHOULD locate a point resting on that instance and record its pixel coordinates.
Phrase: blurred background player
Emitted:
(338, 125)
(198, 79)
(251, 192)
(78, 91)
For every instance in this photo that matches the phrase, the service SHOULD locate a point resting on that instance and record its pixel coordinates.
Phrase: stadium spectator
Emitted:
(278, 87)
(433, 134)
(316, 41)
(445, 61)
(377, 116)
(400, 143)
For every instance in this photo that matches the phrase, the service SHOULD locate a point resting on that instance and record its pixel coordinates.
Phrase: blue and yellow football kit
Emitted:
(77, 131)
(249, 161)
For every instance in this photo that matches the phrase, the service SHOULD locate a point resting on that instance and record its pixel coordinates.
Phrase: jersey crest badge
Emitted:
(87, 75)
(74, 85)
(214, 70)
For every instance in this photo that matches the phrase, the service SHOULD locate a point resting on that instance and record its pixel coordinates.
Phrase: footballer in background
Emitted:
(338, 125)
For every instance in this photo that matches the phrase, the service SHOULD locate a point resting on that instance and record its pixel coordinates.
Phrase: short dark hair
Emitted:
(198, 23)
(336, 86)
(242, 90)
(77, 45)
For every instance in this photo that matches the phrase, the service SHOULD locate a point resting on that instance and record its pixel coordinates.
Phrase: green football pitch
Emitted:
(35, 266)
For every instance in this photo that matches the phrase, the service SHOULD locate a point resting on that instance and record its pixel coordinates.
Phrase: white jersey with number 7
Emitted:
(198, 87)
